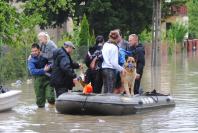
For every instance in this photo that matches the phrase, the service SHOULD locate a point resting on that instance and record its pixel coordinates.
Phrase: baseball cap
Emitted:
(68, 43)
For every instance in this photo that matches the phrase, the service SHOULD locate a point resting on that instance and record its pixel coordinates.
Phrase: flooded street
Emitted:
(179, 77)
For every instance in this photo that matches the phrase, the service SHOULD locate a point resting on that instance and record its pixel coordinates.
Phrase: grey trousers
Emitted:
(109, 79)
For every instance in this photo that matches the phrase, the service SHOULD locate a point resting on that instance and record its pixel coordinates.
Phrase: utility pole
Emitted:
(156, 34)
(1, 55)
(156, 44)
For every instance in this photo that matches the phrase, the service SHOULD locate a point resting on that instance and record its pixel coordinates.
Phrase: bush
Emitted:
(176, 35)
(84, 34)
(146, 36)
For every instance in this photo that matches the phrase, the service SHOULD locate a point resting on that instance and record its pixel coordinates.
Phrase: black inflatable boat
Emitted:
(109, 104)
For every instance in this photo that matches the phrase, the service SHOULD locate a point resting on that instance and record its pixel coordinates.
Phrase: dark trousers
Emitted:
(95, 77)
(109, 79)
(118, 80)
(61, 90)
(137, 86)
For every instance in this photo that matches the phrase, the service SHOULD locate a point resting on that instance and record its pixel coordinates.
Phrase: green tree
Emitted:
(193, 15)
(92, 39)
(9, 23)
(145, 36)
(131, 16)
(176, 35)
(16, 36)
(53, 12)
(177, 32)
(84, 34)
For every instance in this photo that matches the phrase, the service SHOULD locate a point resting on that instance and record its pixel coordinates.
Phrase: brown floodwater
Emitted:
(178, 76)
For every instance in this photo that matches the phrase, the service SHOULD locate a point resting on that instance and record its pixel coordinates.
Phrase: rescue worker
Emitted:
(38, 67)
(139, 55)
(63, 77)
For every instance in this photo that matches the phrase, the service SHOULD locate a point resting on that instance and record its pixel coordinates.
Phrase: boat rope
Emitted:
(155, 98)
(84, 103)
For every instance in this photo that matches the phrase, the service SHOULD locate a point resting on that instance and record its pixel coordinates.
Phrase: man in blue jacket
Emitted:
(38, 67)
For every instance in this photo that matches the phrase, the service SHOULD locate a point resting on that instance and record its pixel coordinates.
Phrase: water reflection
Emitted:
(179, 77)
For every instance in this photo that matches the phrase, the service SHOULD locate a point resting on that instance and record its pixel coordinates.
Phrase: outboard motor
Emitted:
(3, 90)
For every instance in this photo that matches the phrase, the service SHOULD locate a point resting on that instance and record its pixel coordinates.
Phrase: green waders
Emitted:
(43, 91)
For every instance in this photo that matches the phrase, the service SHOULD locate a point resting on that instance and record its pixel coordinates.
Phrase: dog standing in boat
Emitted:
(128, 80)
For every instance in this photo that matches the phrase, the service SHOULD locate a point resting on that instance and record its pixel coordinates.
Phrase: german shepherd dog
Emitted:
(129, 79)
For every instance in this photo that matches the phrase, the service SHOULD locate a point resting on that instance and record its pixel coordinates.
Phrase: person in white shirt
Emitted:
(110, 64)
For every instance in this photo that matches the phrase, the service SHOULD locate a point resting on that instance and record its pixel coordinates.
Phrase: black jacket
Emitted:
(92, 53)
(63, 69)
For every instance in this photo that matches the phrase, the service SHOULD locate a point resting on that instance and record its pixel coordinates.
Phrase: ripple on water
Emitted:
(15, 125)
(80, 131)
(25, 109)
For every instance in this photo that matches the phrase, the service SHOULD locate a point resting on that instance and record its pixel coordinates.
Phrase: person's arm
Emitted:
(122, 54)
(75, 65)
(87, 59)
(67, 68)
(33, 70)
(140, 61)
(114, 59)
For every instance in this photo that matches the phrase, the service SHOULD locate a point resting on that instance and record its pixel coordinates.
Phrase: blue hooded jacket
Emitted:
(36, 65)
(123, 54)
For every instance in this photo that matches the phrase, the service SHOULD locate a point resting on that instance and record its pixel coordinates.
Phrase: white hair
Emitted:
(44, 34)
(134, 36)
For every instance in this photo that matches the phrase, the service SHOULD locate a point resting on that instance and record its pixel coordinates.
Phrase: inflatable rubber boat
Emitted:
(109, 104)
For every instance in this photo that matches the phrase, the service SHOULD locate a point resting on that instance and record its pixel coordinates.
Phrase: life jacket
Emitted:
(87, 89)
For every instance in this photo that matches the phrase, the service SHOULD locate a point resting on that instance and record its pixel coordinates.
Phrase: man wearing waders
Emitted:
(38, 67)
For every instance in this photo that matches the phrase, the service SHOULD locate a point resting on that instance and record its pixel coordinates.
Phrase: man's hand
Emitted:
(75, 81)
(46, 68)
(123, 72)
(80, 66)
(137, 76)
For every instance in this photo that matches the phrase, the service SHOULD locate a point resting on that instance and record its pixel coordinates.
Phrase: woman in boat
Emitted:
(110, 64)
